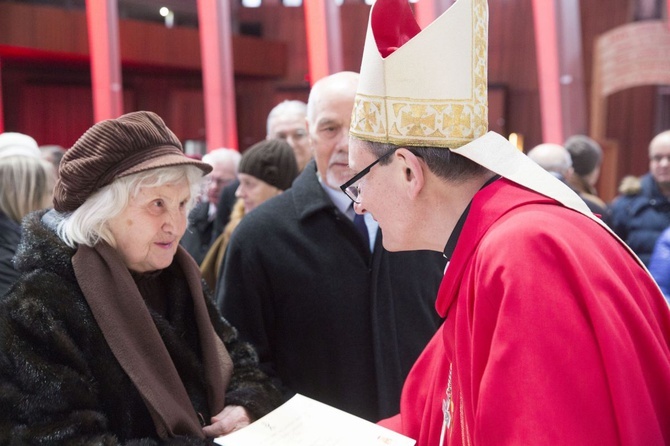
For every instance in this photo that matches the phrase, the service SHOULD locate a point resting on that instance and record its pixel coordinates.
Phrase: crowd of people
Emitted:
(436, 281)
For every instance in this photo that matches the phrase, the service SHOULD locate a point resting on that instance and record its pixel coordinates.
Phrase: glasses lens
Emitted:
(352, 192)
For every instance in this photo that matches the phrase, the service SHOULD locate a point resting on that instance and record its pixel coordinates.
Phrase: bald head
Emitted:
(329, 107)
(659, 160)
(662, 139)
(552, 158)
(343, 83)
(287, 121)
(224, 171)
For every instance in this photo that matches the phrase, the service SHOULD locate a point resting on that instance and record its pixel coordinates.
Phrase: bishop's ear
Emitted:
(413, 171)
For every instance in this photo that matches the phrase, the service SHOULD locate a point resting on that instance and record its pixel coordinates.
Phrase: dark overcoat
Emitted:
(198, 236)
(60, 382)
(330, 319)
(10, 235)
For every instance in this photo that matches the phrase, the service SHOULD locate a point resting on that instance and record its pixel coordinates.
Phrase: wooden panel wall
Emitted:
(46, 72)
(630, 113)
(512, 63)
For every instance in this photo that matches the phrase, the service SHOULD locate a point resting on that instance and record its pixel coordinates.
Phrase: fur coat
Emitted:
(60, 382)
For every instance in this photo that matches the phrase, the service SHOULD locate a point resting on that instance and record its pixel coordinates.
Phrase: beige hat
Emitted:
(423, 87)
(12, 143)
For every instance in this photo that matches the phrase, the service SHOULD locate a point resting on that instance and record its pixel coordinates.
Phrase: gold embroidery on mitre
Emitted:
(371, 116)
(462, 119)
(416, 122)
(419, 120)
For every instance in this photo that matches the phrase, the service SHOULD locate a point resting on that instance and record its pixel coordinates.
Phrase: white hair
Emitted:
(288, 107)
(222, 156)
(88, 224)
(551, 157)
(26, 184)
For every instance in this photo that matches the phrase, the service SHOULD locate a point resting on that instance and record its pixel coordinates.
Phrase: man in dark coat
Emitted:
(199, 235)
(642, 211)
(329, 318)
(10, 234)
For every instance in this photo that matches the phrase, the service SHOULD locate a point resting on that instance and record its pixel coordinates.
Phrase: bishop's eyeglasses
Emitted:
(350, 188)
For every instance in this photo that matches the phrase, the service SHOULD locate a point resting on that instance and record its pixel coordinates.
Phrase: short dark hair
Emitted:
(441, 161)
(585, 152)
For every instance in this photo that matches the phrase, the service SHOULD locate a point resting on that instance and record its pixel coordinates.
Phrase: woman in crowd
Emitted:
(266, 169)
(26, 183)
(107, 337)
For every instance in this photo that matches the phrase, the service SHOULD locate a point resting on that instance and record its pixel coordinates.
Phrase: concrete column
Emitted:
(324, 38)
(216, 49)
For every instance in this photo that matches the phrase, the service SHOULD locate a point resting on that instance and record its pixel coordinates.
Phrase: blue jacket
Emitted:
(659, 264)
(640, 215)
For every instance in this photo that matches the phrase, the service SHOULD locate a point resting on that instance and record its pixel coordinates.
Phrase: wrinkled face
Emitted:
(148, 230)
(329, 135)
(221, 176)
(293, 129)
(254, 191)
(659, 160)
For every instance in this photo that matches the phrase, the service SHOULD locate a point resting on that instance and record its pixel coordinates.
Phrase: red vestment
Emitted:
(555, 333)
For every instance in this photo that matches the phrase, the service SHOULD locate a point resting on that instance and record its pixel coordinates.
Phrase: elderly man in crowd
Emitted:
(642, 210)
(198, 237)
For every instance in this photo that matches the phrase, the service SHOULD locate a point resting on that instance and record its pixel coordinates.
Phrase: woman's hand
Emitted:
(230, 419)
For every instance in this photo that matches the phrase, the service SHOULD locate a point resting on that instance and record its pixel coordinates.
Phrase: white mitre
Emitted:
(428, 88)
(427, 92)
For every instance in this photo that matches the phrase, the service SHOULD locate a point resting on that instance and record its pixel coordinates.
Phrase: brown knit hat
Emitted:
(116, 148)
(272, 161)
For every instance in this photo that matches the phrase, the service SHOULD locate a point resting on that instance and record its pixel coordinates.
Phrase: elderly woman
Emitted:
(266, 170)
(107, 337)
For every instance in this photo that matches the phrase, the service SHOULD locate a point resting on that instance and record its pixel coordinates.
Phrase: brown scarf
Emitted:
(130, 332)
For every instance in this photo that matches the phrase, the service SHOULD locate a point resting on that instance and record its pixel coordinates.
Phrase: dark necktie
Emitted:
(359, 222)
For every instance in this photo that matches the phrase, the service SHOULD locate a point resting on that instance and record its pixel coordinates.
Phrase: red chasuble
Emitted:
(554, 333)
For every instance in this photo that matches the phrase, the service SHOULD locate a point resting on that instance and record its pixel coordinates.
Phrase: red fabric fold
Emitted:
(393, 25)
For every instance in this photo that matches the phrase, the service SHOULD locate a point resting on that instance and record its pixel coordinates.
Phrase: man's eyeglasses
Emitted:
(351, 187)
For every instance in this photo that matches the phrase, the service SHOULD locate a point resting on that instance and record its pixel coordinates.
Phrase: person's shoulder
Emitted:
(269, 216)
(630, 190)
(199, 211)
(532, 222)
(595, 200)
(10, 234)
(664, 238)
(630, 186)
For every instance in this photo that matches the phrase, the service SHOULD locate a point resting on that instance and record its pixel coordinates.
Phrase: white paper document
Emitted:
(302, 421)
